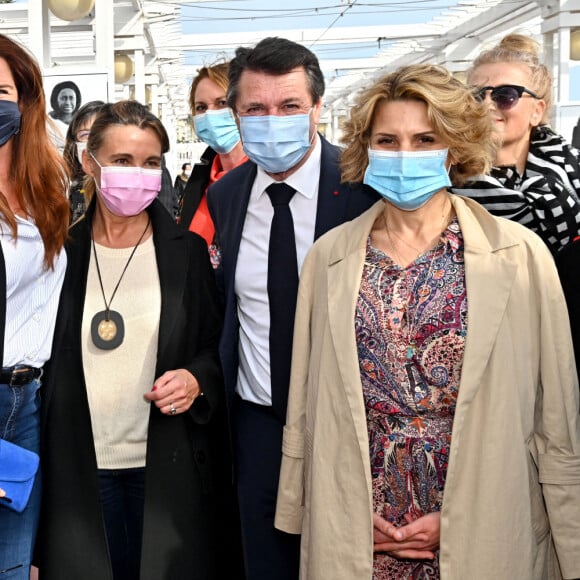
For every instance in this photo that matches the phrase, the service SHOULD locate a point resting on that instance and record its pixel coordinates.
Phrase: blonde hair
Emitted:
(457, 117)
(521, 49)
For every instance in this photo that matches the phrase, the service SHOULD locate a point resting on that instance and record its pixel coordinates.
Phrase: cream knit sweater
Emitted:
(117, 379)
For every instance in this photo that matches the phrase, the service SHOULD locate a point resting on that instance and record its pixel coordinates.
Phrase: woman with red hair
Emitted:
(33, 228)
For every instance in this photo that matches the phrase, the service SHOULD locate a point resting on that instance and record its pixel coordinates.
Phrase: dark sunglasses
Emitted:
(504, 96)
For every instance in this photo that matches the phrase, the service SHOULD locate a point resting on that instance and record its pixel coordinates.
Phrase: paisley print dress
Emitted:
(410, 328)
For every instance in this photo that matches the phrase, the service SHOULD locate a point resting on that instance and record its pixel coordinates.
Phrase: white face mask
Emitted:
(81, 146)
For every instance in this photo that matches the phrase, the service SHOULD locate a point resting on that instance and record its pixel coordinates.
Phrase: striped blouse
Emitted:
(32, 295)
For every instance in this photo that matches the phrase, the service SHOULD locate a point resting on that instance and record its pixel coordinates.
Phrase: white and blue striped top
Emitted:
(32, 295)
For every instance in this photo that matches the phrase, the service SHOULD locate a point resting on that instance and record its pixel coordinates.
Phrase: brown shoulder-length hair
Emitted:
(37, 170)
(457, 117)
(122, 113)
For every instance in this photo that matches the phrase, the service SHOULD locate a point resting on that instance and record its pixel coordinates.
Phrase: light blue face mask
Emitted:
(407, 179)
(276, 143)
(217, 128)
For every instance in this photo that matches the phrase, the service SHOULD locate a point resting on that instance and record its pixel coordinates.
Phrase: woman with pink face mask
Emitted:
(135, 378)
(535, 179)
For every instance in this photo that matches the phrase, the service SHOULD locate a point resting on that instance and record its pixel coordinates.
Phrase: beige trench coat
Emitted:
(512, 497)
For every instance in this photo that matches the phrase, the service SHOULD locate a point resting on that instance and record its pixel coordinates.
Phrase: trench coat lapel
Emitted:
(489, 280)
(345, 268)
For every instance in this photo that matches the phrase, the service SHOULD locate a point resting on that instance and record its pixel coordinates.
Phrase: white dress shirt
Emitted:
(32, 295)
(251, 280)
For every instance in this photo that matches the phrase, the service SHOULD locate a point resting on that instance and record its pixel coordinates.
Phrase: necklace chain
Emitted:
(402, 240)
(444, 221)
(108, 305)
(411, 323)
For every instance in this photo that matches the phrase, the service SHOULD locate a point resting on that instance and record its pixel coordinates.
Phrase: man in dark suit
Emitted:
(264, 231)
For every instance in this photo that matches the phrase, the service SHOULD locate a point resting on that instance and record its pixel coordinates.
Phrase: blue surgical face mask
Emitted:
(9, 120)
(217, 128)
(276, 143)
(407, 179)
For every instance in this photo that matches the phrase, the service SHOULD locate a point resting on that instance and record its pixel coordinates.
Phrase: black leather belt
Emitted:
(18, 375)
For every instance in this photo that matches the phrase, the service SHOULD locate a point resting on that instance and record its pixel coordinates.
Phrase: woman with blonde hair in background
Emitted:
(33, 220)
(215, 125)
(433, 427)
(535, 178)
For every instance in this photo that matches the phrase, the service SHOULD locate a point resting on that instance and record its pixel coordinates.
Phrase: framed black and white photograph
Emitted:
(66, 93)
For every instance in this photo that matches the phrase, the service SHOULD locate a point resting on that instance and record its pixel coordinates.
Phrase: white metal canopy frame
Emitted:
(150, 50)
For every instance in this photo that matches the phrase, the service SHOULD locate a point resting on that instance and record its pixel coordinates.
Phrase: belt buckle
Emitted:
(17, 375)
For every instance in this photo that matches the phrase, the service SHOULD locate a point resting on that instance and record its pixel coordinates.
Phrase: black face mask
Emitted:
(9, 120)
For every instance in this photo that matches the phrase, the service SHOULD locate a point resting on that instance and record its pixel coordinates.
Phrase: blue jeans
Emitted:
(20, 424)
(123, 499)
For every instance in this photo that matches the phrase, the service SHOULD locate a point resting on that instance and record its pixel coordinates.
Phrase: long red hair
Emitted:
(37, 170)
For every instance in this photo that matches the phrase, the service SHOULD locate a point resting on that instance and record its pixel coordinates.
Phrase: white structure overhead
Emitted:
(460, 36)
(355, 40)
(352, 56)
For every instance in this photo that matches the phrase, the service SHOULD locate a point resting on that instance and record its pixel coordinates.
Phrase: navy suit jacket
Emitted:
(228, 202)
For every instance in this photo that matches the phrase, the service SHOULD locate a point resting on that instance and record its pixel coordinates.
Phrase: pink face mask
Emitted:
(127, 191)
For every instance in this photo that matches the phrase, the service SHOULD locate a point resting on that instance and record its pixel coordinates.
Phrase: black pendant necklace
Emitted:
(107, 326)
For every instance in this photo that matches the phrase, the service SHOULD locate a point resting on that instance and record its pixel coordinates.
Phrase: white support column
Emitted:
(559, 18)
(154, 91)
(563, 95)
(139, 64)
(39, 32)
(105, 42)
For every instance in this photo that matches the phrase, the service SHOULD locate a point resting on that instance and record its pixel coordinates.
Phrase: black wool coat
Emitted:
(195, 187)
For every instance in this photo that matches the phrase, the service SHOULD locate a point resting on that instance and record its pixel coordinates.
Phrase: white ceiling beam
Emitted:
(313, 36)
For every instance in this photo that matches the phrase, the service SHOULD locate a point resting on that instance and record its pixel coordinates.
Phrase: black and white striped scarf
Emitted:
(545, 199)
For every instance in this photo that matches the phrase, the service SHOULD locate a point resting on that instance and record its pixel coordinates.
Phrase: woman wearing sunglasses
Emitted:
(536, 175)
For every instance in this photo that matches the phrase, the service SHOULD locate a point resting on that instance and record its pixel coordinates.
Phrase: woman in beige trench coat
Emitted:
(511, 501)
